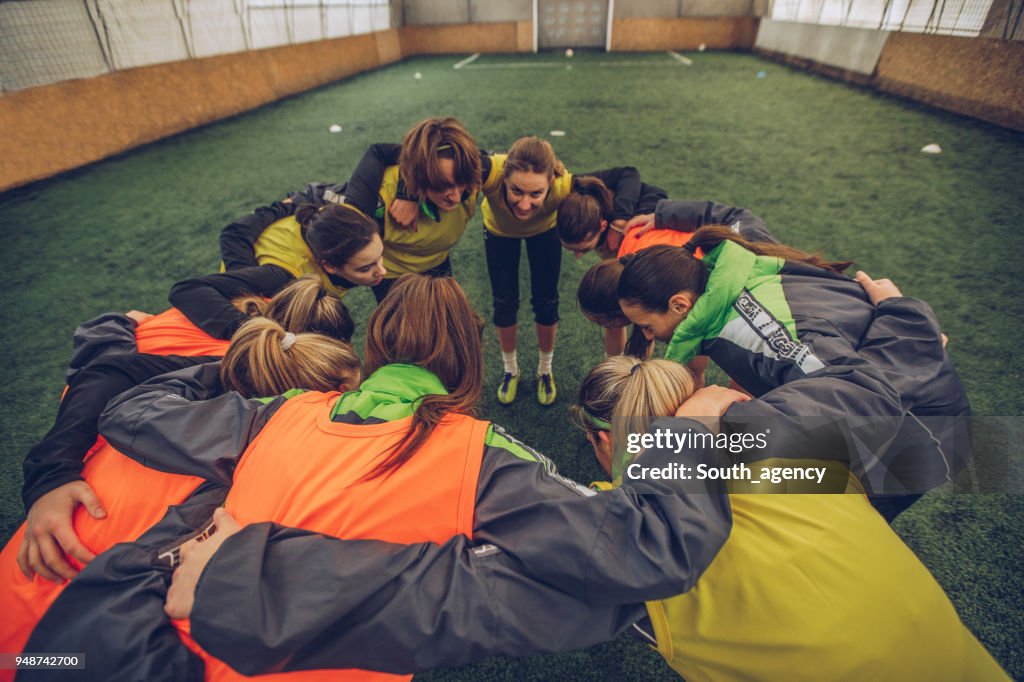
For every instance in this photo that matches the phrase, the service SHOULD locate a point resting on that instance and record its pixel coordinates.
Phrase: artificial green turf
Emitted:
(827, 165)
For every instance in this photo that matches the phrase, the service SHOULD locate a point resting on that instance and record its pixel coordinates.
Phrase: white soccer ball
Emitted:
(417, 75)
(701, 47)
(568, 52)
(335, 128)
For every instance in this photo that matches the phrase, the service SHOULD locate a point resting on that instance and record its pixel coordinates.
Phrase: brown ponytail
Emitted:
(653, 275)
(250, 306)
(427, 321)
(306, 306)
(581, 213)
(334, 232)
(533, 155)
(264, 360)
(710, 236)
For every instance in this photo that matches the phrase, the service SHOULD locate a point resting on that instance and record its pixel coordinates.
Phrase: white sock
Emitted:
(511, 363)
(544, 364)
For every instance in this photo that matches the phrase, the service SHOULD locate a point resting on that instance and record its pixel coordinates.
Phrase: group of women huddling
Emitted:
(365, 523)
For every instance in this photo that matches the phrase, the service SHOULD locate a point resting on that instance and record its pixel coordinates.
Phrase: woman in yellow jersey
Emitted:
(522, 194)
(808, 586)
(338, 244)
(433, 175)
(439, 164)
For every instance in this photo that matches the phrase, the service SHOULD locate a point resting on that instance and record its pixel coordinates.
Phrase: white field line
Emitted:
(468, 60)
(680, 58)
(556, 65)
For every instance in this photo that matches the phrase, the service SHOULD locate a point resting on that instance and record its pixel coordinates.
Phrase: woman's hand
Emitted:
(195, 554)
(708, 404)
(643, 223)
(404, 214)
(880, 289)
(49, 534)
(137, 316)
(877, 289)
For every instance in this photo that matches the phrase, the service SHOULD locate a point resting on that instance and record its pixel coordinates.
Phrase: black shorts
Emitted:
(544, 253)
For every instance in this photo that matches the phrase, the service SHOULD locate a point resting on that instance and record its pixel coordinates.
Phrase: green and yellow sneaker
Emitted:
(546, 389)
(507, 388)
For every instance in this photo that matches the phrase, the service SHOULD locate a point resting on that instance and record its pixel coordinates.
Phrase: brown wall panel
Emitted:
(389, 46)
(462, 38)
(979, 77)
(524, 36)
(686, 33)
(69, 124)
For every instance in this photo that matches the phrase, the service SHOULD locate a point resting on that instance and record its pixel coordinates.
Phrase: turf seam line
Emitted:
(680, 58)
(468, 60)
(543, 65)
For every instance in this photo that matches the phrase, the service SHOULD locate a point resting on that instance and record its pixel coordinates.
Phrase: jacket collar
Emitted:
(392, 392)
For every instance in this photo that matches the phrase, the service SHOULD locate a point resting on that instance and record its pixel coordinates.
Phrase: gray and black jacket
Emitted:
(167, 425)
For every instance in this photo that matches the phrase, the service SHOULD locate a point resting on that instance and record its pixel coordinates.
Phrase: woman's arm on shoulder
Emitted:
(57, 458)
(625, 184)
(377, 605)
(53, 485)
(206, 301)
(688, 216)
(363, 188)
(641, 539)
(182, 423)
(238, 239)
(109, 333)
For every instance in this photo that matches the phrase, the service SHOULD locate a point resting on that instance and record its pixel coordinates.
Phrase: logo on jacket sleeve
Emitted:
(772, 339)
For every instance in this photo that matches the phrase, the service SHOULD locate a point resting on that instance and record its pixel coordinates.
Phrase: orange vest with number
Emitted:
(306, 471)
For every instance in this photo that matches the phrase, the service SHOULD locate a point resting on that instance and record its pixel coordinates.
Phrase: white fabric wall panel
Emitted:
(142, 32)
(215, 27)
(47, 42)
(365, 19)
(854, 49)
(306, 24)
(268, 27)
(338, 22)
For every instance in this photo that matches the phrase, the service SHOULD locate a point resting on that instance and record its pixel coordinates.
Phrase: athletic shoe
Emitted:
(507, 388)
(546, 389)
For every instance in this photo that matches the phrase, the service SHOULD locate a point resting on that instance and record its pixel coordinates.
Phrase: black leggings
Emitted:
(443, 270)
(544, 253)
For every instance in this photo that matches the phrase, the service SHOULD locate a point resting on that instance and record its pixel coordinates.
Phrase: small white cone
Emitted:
(557, 133)
(931, 149)
(335, 128)
(417, 75)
